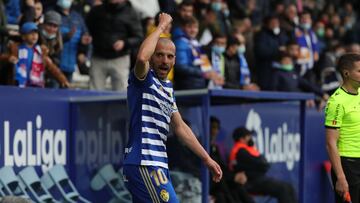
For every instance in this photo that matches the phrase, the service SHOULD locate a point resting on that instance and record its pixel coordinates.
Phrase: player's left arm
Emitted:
(187, 136)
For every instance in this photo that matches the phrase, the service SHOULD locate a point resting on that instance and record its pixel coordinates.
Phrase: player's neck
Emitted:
(349, 88)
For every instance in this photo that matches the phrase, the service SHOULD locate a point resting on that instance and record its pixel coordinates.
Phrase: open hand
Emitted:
(13, 59)
(219, 80)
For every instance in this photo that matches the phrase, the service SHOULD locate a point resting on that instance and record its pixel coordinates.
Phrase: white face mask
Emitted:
(218, 49)
(47, 35)
(296, 20)
(276, 31)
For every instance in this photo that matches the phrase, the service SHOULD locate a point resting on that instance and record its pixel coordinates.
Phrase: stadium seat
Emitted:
(107, 176)
(187, 187)
(10, 183)
(58, 178)
(2, 190)
(31, 182)
(262, 198)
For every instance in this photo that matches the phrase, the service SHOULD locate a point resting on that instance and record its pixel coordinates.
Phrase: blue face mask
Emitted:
(64, 4)
(306, 26)
(216, 6)
(348, 26)
(226, 13)
(218, 49)
(241, 49)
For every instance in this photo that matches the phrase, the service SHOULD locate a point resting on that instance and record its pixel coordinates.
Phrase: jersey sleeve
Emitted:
(133, 80)
(174, 106)
(334, 113)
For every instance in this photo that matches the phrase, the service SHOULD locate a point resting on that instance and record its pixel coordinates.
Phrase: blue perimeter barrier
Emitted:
(85, 130)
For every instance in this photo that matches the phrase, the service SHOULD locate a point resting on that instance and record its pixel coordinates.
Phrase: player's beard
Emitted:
(162, 71)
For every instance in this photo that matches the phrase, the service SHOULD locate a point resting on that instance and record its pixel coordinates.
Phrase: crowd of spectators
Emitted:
(280, 45)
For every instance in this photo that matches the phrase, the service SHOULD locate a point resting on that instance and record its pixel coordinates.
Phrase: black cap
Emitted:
(241, 132)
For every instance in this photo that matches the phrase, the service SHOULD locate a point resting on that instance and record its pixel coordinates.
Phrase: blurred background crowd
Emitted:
(281, 45)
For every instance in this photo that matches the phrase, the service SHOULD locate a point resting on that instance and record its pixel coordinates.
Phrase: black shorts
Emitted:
(351, 168)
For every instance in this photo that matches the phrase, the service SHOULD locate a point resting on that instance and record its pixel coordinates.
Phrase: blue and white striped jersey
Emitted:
(151, 103)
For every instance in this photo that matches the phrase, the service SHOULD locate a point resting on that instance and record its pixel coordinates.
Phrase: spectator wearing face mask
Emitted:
(31, 60)
(213, 19)
(269, 42)
(237, 72)
(319, 29)
(50, 36)
(309, 45)
(222, 15)
(75, 36)
(215, 52)
(352, 29)
(286, 79)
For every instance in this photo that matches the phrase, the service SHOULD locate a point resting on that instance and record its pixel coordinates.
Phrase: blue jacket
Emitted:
(13, 11)
(187, 75)
(70, 50)
(300, 36)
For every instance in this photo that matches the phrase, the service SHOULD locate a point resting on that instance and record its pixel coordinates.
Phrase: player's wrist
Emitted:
(207, 160)
(161, 28)
(341, 177)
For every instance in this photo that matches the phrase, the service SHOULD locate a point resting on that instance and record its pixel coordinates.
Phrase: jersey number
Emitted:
(159, 177)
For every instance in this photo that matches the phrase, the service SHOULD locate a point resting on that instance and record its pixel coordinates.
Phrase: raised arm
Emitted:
(148, 46)
(187, 136)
